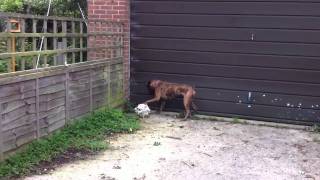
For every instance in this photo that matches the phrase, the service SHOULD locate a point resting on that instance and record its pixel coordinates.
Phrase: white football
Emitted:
(142, 110)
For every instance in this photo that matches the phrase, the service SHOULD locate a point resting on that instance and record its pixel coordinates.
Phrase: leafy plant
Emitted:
(86, 134)
(11, 5)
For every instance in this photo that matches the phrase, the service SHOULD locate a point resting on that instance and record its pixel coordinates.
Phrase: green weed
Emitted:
(88, 133)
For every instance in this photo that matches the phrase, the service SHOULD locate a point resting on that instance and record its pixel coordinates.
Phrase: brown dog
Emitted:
(165, 90)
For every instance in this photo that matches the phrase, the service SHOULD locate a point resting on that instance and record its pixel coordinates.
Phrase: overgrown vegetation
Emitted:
(86, 134)
(59, 7)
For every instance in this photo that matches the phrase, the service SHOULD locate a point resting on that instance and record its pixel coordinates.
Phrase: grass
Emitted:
(316, 128)
(85, 134)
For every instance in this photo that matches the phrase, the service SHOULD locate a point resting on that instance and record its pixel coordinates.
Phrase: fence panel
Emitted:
(68, 82)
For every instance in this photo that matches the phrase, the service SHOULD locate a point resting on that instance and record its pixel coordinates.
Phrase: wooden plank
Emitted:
(54, 35)
(64, 41)
(55, 41)
(20, 132)
(26, 119)
(9, 46)
(81, 101)
(1, 134)
(81, 110)
(75, 95)
(9, 145)
(55, 126)
(73, 41)
(49, 120)
(45, 43)
(11, 106)
(23, 41)
(108, 71)
(58, 102)
(26, 138)
(81, 41)
(53, 96)
(55, 110)
(52, 89)
(16, 88)
(67, 98)
(51, 80)
(32, 74)
(17, 97)
(51, 52)
(16, 114)
(91, 91)
(34, 43)
(37, 108)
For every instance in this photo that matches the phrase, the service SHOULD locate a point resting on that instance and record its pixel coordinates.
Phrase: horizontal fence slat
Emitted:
(51, 52)
(58, 35)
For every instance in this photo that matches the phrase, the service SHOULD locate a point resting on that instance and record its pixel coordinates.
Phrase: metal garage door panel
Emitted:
(228, 49)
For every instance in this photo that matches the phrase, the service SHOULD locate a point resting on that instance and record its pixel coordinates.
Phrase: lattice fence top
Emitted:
(62, 40)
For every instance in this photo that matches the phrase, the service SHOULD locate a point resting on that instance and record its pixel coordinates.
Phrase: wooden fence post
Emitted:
(67, 96)
(55, 41)
(37, 108)
(91, 90)
(34, 42)
(109, 83)
(81, 41)
(23, 41)
(1, 135)
(9, 44)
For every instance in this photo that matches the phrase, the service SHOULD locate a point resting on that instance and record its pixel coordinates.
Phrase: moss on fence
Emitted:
(86, 134)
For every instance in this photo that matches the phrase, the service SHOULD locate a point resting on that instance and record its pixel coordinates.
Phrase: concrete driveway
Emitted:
(167, 148)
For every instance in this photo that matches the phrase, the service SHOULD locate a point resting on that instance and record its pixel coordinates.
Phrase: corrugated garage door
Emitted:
(256, 59)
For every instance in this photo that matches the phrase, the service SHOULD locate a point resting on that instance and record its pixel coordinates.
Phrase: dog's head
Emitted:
(152, 84)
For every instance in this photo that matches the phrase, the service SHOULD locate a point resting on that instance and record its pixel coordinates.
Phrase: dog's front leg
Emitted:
(157, 97)
(152, 100)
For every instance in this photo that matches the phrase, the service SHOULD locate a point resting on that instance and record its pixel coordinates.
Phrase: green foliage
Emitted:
(86, 134)
(58, 8)
(3, 66)
(11, 5)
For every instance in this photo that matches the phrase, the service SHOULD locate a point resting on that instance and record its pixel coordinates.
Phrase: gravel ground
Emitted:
(167, 148)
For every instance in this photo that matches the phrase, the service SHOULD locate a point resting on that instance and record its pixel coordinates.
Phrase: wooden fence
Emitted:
(36, 102)
(65, 40)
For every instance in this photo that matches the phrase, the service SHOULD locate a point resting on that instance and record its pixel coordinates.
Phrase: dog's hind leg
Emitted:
(163, 104)
(186, 103)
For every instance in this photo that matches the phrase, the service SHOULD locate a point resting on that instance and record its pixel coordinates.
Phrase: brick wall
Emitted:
(117, 10)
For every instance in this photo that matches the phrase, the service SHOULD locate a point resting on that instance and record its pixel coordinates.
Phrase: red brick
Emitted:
(116, 10)
(99, 11)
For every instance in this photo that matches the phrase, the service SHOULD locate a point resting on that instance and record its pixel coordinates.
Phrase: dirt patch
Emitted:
(71, 155)
(170, 149)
